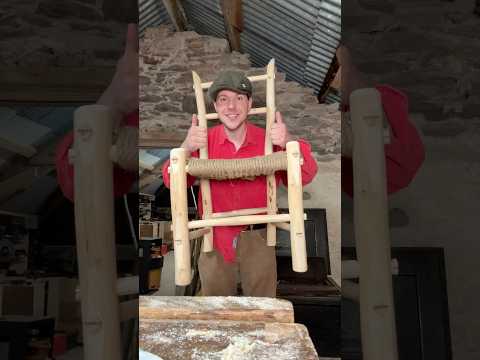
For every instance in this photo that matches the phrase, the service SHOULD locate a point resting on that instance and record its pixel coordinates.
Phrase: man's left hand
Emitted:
(122, 93)
(126, 144)
(279, 132)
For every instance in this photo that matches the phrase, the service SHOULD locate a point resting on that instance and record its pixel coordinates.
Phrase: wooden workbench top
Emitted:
(223, 328)
(216, 308)
(222, 340)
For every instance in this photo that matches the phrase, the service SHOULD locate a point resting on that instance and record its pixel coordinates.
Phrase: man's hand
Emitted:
(279, 132)
(349, 76)
(196, 137)
(126, 146)
(122, 93)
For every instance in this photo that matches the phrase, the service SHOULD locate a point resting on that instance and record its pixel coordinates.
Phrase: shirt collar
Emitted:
(249, 137)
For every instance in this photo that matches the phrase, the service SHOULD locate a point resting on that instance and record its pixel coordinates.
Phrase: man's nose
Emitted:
(232, 103)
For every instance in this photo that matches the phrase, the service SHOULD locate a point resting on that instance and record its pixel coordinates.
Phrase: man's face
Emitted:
(232, 108)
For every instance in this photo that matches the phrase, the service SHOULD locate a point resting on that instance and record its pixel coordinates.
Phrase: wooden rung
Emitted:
(255, 78)
(238, 213)
(241, 220)
(254, 111)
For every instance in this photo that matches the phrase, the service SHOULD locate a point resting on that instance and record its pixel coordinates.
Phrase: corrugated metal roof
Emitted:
(301, 35)
(151, 13)
(325, 40)
(205, 17)
(282, 29)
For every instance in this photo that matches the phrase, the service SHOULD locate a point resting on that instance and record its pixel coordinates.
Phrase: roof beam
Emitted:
(54, 84)
(175, 11)
(233, 20)
(157, 139)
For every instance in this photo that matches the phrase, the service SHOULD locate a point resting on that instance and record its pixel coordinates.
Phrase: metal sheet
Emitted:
(301, 35)
(151, 13)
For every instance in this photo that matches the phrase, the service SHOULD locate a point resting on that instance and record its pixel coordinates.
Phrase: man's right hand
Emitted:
(122, 94)
(196, 136)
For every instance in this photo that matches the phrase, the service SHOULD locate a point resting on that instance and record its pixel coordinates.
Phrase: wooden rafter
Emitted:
(54, 84)
(176, 13)
(154, 139)
(233, 19)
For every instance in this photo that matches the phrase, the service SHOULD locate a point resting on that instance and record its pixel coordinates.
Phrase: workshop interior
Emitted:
(40, 296)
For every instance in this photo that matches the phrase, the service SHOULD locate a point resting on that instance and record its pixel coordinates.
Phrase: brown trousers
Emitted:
(255, 264)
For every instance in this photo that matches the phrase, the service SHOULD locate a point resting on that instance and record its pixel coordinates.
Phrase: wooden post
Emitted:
(178, 199)
(204, 183)
(95, 235)
(176, 14)
(295, 208)
(233, 20)
(271, 183)
(377, 315)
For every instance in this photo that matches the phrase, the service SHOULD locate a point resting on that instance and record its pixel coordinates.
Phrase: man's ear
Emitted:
(250, 103)
(215, 106)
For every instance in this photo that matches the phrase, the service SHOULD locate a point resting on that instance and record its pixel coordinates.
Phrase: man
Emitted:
(121, 96)
(239, 249)
(405, 153)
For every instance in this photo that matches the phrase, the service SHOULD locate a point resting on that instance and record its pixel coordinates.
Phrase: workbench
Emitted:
(222, 328)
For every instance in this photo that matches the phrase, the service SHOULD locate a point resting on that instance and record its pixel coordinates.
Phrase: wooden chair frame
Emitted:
(293, 221)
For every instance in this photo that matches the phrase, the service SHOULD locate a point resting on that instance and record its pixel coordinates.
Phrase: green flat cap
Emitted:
(230, 80)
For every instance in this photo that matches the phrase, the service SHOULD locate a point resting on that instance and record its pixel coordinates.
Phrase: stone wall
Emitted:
(167, 100)
(62, 33)
(429, 49)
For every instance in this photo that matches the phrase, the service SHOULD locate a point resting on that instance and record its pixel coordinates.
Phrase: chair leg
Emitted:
(295, 208)
(377, 315)
(271, 183)
(204, 183)
(95, 232)
(178, 199)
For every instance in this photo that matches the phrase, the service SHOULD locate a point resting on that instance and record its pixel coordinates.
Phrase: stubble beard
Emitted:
(233, 127)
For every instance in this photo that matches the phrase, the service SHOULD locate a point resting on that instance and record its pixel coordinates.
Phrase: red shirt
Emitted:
(122, 179)
(405, 153)
(228, 195)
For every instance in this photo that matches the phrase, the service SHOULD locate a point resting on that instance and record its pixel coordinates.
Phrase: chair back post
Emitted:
(207, 245)
(179, 203)
(95, 233)
(377, 316)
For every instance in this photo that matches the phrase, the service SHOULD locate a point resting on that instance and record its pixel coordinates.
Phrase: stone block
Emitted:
(384, 6)
(471, 110)
(68, 8)
(450, 128)
(125, 11)
(382, 67)
(404, 41)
